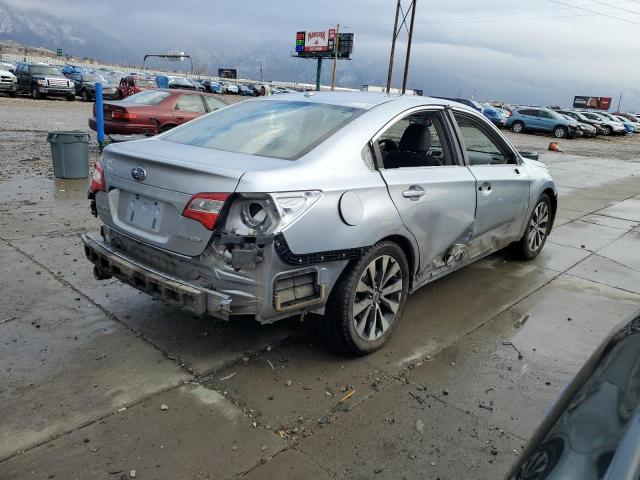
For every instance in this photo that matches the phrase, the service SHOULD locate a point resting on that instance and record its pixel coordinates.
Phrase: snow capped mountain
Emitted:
(30, 27)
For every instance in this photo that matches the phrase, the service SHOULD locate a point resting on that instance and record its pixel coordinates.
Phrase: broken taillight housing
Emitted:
(205, 208)
(97, 180)
(268, 213)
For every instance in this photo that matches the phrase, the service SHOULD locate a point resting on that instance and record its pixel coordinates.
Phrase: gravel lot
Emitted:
(100, 381)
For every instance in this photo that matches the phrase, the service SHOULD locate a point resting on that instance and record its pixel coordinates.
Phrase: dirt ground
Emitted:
(98, 381)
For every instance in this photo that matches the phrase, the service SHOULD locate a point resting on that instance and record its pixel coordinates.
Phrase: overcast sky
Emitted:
(520, 50)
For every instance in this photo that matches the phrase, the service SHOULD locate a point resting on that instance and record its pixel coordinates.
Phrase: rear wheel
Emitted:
(517, 127)
(537, 231)
(368, 300)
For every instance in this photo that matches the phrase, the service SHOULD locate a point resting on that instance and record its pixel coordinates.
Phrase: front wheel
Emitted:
(537, 231)
(368, 300)
(35, 94)
(560, 132)
(85, 96)
(608, 130)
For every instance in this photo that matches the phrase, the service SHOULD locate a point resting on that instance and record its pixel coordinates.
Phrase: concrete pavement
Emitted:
(86, 367)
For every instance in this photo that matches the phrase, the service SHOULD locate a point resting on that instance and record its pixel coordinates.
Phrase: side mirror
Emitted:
(530, 155)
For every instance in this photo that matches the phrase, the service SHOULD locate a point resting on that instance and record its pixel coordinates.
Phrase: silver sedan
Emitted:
(339, 204)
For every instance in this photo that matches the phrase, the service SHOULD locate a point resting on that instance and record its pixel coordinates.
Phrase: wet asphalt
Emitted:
(100, 381)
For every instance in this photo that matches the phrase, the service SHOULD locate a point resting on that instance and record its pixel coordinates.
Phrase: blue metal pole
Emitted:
(99, 116)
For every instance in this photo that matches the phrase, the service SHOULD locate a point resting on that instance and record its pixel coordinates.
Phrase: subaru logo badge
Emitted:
(138, 173)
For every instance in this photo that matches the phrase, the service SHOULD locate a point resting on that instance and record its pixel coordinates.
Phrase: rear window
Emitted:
(145, 82)
(278, 129)
(147, 97)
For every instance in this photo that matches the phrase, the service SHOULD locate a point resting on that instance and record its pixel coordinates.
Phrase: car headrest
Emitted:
(416, 138)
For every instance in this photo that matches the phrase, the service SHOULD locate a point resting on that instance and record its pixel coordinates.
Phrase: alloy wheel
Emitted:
(377, 297)
(538, 227)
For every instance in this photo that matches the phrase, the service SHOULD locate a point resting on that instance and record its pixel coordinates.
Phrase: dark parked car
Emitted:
(211, 87)
(466, 101)
(41, 80)
(85, 85)
(579, 117)
(132, 84)
(245, 91)
(153, 111)
(593, 430)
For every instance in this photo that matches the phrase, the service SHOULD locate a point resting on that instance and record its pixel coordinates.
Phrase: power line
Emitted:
(594, 12)
(635, 12)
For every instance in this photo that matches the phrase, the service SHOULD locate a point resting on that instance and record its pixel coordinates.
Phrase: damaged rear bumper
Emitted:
(109, 262)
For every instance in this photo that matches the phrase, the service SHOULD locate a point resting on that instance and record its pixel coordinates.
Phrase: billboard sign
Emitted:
(228, 73)
(315, 40)
(599, 103)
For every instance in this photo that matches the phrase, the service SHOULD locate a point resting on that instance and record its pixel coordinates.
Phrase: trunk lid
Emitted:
(149, 183)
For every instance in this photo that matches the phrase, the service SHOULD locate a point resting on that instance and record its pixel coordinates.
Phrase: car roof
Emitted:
(365, 100)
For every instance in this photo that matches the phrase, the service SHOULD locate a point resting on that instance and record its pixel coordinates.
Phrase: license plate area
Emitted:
(144, 213)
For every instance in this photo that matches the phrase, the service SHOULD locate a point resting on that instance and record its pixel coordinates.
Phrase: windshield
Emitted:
(146, 97)
(277, 129)
(558, 116)
(44, 70)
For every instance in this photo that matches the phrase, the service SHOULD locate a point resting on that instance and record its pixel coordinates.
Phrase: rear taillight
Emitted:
(122, 115)
(97, 181)
(205, 208)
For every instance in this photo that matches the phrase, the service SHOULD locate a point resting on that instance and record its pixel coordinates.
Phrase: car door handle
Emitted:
(180, 117)
(485, 188)
(516, 170)
(414, 192)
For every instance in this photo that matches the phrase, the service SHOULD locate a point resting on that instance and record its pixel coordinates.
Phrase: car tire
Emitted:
(84, 95)
(13, 94)
(71, 98)
(517, 127)
(362, 286)
(560, 132)
(608, 131)
(537, 230)
(35, 94)
(165, 128)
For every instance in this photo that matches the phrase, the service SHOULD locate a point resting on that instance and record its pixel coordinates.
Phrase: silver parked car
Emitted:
(334, 203)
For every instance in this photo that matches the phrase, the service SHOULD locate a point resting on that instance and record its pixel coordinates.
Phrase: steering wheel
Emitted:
(388, 145)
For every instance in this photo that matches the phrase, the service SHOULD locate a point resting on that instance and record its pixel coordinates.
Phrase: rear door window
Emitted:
(190, 103)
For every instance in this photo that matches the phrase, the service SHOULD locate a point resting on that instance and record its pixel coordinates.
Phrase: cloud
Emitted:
(520, 50)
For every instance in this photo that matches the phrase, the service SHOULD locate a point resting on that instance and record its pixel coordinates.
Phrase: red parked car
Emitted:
(155, 111)
(133, 84)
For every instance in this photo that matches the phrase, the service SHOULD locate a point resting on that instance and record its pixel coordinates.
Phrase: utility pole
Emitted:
(406, 62)
(393, 47)
(396, 31)
(619, 101)
(336, 45)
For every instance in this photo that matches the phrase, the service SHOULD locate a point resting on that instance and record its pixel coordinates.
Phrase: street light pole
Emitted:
(393, 47)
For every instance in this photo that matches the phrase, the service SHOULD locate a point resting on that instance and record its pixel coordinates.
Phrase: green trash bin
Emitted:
(70, 154)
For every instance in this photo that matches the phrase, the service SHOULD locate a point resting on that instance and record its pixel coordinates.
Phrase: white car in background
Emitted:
(8, 82)
(636, 125)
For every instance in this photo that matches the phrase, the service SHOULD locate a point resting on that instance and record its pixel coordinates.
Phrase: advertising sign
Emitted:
(315, 40)
(227, 73)
(599, 103)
